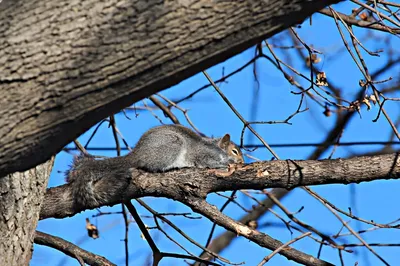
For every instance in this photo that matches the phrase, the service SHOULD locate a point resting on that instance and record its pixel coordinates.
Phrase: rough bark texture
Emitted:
(65, 65)
(184, 183)
(21, 195)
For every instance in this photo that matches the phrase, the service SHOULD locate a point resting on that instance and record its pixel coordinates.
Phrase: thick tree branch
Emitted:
(190, 182)
(63, 70)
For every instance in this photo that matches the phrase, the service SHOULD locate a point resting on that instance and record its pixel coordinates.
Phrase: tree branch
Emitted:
(70, 249)
(361, 23)
(264, 240)
(179, 184)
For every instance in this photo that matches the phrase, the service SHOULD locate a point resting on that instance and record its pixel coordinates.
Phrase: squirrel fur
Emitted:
(160, 149)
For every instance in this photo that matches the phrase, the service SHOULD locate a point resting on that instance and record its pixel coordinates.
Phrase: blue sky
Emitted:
(375, 200)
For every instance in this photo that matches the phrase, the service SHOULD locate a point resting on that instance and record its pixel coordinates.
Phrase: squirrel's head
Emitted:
(233, 151)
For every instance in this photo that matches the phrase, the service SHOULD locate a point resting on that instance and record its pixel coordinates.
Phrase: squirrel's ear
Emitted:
(224, 141)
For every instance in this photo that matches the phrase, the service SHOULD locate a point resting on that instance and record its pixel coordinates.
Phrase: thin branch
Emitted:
(347, 226)
(245, 123)
(80, 147)
(70, 249)
(222, 79)
(156, 252)
(274, 145)
(360, 23)
(210, 235)
(276, 251)
(181, 232)
(165, 109)
(124, 215)
(306, 226)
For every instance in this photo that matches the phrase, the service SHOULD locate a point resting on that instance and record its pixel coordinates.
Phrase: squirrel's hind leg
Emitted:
(163, 152)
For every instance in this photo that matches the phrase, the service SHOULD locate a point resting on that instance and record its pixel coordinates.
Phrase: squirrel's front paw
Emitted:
(222, 173)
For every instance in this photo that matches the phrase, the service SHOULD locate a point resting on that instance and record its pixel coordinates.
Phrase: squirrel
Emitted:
(160, 149)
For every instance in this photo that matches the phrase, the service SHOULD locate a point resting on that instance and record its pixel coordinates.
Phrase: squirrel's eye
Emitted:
(235, 152)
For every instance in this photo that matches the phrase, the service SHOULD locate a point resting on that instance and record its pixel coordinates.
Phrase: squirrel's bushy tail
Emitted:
(82, 181)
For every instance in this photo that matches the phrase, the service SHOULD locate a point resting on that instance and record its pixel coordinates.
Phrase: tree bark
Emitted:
(21, 196)
(65, 65)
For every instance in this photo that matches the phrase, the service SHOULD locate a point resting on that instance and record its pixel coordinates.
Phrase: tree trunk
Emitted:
(21, 196)
(65, 65)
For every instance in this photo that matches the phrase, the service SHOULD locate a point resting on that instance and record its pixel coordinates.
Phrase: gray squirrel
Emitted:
(160, 149)
(173, 146)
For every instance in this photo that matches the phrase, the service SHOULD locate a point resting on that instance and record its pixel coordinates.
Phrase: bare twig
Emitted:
(276, 251)
(347, 226)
